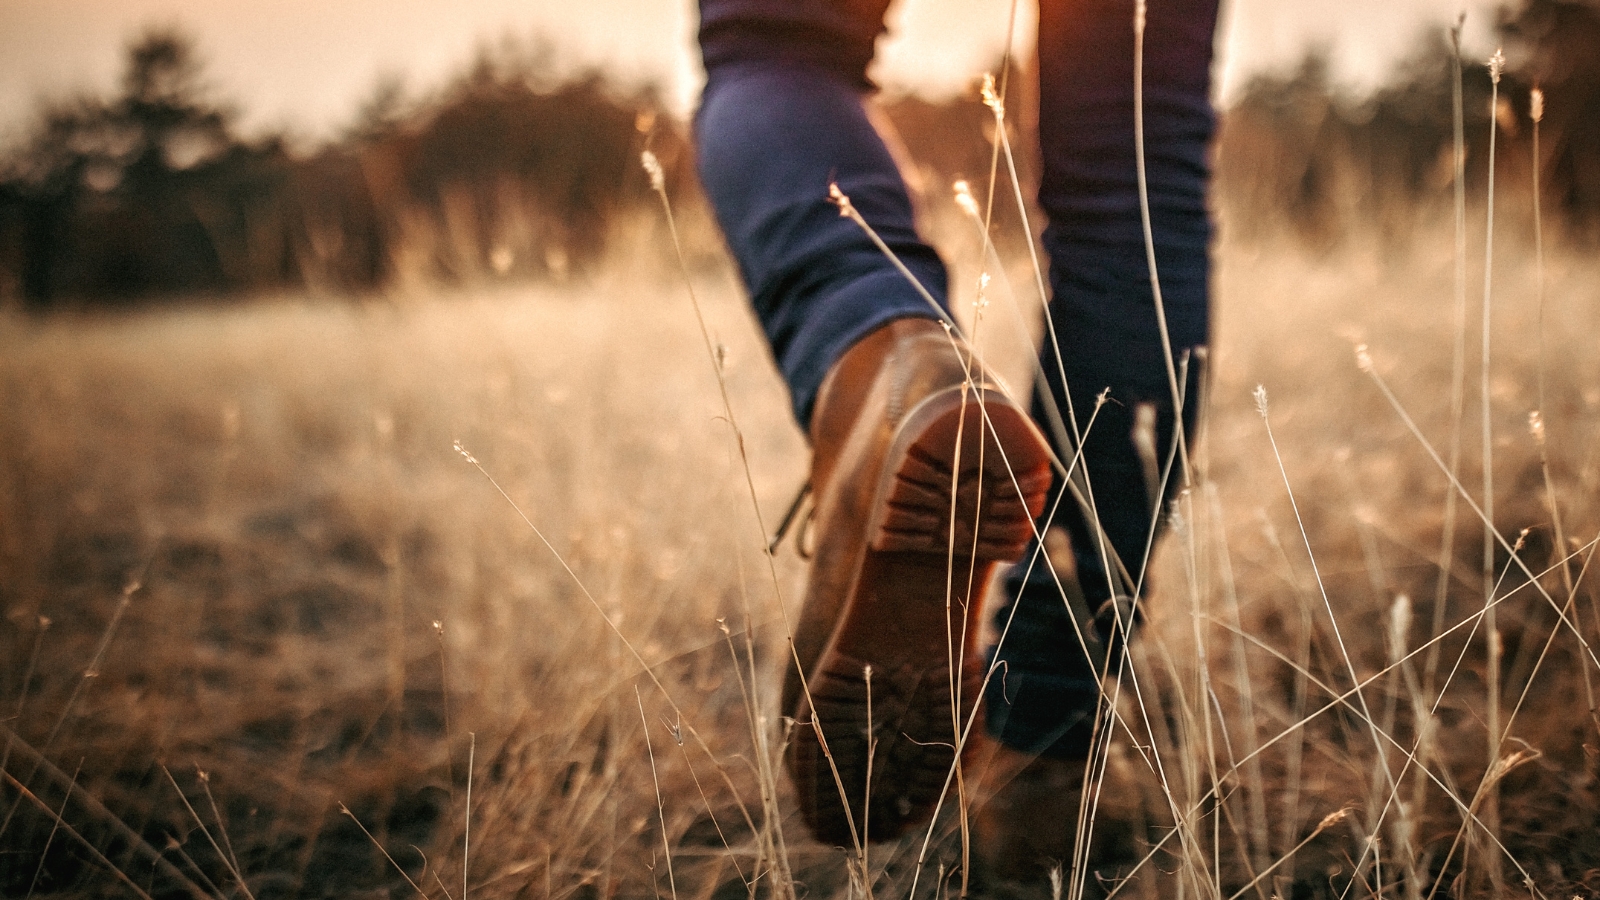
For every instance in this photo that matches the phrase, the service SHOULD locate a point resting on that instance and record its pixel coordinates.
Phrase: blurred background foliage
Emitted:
(1294, 152)
(153, 191)
(509, 172)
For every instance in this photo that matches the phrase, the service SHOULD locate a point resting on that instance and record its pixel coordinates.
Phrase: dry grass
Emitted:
(273, 491)
(281, 479)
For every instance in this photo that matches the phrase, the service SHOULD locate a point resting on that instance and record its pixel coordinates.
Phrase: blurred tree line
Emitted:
(509, 172)
(154, 192)
(1293, 151)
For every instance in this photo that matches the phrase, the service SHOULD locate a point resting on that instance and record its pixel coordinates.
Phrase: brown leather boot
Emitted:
(1026, 822)
(1026, 836)
(899, 572)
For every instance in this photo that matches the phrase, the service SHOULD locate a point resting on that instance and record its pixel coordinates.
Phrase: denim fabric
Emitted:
(781, 116)
(772, 136)
(834, 35)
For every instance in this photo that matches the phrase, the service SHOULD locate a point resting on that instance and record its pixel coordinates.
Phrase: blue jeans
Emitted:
(782, 117)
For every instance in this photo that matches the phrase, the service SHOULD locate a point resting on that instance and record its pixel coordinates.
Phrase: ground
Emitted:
(466, 588)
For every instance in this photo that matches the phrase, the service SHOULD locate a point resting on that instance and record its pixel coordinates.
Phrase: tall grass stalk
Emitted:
(1333, 621)
(92, 670)
(466, 829)
(1536, 114)
(1179, 457)
(676, 730)
(769, 840)
(345, 810)
(766, 773)
(866, 791)
(1254, 779)
(996, 103)
(216, 814)
(1404, 826)
(1139, 15)
(562, 561)
(1427, 727)
(1491, 803)
(661, 808)
(1184, 529)
(1300, 666)
(1066, 432)
(55, 825)
(1537, 421)
(955, 643)
(444, 702)
(227, 858)
(25, 684)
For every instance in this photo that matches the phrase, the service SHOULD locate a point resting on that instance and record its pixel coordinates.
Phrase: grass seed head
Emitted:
(991, 96)
(964, 198)
(658, 176)
(1332, 819)
(1399, 626)
(840, 199)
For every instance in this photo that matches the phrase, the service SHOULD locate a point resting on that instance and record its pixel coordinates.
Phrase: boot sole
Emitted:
(892, 733)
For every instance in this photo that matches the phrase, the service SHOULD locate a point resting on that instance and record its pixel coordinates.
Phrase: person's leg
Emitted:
(913, 453)
(1043, 699)
(781, 118)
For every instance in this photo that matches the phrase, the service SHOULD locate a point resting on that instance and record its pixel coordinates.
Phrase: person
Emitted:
(927, 476)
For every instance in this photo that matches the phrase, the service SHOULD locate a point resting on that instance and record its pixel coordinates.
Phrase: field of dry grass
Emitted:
(268, 633)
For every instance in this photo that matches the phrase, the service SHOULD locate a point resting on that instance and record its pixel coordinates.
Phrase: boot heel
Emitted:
(993, 522)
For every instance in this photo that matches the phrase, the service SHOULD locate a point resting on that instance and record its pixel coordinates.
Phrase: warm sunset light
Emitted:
(307, 65)
(608, 450)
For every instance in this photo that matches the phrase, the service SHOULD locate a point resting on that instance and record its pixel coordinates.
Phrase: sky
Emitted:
(306, 65)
